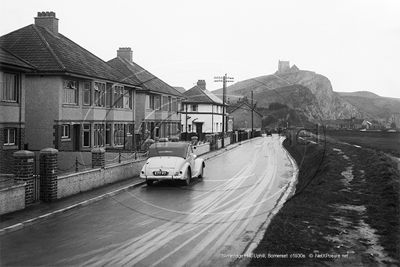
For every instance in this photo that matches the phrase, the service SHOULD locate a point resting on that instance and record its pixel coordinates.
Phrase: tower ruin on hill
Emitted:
(284, 67)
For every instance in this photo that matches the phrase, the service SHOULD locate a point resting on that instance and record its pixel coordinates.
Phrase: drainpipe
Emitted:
(20, 112)
(212, 118)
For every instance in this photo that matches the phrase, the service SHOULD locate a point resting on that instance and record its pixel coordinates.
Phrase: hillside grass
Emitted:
(305, 221)
(382, 141)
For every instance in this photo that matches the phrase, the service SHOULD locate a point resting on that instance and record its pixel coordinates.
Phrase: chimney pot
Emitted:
(126, 53)
(47, 20)
(201, 84)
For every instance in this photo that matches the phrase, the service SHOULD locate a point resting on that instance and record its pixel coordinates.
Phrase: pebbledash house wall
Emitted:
(46, 113)
(140, 112)
(42, 109)
(6, 152)
(12, 115)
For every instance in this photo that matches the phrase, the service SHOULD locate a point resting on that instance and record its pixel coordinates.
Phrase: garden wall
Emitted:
(79, 182)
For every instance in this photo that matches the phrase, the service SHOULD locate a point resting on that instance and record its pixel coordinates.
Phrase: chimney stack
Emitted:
(201, 84)
(47, 20)
(125, 52)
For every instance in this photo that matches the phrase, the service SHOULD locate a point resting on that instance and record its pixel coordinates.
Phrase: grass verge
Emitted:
(308, 222)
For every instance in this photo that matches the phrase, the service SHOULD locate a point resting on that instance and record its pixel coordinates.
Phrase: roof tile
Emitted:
(147, 80)
(50, 53)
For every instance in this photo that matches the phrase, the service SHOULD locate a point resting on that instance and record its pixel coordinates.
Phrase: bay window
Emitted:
(149, 101)
(86, 135)
(87, 94)
(70, 92)
(99, 94)
(118, 96)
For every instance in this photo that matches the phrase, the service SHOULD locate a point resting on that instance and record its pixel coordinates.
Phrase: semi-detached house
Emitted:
(158, 108)
(75, 101)
(12, 107)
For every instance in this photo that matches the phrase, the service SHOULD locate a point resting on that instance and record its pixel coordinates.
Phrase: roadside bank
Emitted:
(345, 211)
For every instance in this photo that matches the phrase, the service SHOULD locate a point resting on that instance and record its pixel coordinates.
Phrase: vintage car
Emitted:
(172, 161)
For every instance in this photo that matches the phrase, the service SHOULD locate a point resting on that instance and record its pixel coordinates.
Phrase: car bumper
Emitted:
(166, 177)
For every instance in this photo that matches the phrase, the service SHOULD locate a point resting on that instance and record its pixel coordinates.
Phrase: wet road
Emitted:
(204, 224)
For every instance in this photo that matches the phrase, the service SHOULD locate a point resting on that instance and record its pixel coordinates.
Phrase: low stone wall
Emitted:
(227, 141)
(12, 198)
(202, 149)
(79, 182)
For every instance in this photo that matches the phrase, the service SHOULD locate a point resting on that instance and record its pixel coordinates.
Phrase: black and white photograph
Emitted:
(200, 133)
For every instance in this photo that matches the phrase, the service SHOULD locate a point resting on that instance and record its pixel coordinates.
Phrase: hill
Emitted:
(289, 88)
(374, 106)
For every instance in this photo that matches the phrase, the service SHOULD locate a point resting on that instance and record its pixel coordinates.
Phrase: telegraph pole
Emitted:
(224, 79)
(252, 117)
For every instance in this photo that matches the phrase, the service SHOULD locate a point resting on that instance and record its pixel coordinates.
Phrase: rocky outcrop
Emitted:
(323, 103)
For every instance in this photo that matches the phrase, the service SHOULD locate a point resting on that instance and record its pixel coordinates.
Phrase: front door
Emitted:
(77, 137)
(199, 129)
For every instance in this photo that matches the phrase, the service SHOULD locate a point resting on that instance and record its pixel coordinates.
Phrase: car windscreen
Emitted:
(166, 151)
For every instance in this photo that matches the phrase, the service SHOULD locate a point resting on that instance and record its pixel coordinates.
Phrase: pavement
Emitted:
(42, 211)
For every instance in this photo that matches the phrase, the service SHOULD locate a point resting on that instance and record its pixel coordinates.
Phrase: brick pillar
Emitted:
(48, 174)
(23, 171)
(98, 158)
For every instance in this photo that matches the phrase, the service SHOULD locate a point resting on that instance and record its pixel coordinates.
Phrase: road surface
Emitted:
(209, 223)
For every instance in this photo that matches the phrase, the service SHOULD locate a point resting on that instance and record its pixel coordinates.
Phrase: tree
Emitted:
(277, 106)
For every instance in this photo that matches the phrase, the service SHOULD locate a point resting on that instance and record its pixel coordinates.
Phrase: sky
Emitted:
(354, 43)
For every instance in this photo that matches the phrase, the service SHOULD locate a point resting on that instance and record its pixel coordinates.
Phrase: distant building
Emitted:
(244, 117)
(202, 111)
(284, 67)
(180, 89)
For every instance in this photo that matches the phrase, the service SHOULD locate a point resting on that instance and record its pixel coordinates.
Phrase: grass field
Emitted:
(382, 141)
(328, 213)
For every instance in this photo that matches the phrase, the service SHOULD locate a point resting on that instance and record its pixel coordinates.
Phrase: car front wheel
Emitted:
(201, 172)
(188, 175)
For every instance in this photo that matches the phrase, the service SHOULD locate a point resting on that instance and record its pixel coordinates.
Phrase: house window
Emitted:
(169, 103)
(10, 135)
(65, 131)
(118, 96)
(149, 101)
(157, 102)
(70, 92)
(109, 92)
(101, 134)
(99, 94)
(128, 99)
(108, 134)
(8, 87)
(129, 129)
(174, 104)
(165, 103)
(194, 107)
(180, 105)
(87, 94)
(86, 135)
(98, 135)
(118, 134)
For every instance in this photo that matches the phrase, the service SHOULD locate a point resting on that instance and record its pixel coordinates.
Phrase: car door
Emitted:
(190, 156)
